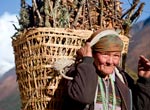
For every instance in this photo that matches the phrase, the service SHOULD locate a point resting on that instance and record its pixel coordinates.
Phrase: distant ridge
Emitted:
(139, 43)
(9, 92)
(147, 22)
(12, 72)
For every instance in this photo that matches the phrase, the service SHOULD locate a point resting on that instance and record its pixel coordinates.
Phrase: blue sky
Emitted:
(11, 6)
(9, 9)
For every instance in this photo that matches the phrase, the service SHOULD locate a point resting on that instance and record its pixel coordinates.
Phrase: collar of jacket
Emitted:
(125, 93)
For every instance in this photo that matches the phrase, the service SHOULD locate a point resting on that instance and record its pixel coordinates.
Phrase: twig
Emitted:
(55, 12)
(78, 14)
(137, 13)
(130, 11)
(89, 14)
(101, 11)
(37, 11)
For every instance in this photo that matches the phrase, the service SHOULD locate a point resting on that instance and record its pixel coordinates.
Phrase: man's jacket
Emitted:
(80, 92)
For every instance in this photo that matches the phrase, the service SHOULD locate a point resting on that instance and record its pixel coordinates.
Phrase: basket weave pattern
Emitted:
(35, 52)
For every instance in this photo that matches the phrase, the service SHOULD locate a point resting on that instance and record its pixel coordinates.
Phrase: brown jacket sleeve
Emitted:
(83, 87)
(141, 94)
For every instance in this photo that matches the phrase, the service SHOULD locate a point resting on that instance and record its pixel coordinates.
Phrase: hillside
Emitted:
(9, 93)
(139, 43)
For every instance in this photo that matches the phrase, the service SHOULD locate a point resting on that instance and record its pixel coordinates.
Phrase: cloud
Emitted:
(6, 51)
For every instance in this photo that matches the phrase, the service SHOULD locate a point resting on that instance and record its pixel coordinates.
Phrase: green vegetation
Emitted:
(132, 73)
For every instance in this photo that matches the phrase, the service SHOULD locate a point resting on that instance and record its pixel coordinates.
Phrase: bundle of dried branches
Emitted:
(79, 14)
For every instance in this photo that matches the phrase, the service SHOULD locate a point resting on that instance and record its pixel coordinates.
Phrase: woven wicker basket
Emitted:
(35, 51)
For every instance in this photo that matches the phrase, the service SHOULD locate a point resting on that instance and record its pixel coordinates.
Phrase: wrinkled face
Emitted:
(106, 61)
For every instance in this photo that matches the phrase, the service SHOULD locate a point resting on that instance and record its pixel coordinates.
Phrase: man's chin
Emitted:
(108, 72)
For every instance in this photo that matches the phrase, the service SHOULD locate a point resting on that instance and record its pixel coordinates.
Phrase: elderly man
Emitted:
(99, 84)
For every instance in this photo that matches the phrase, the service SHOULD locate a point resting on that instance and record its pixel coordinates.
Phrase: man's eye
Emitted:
(105, 55)
(116, 55)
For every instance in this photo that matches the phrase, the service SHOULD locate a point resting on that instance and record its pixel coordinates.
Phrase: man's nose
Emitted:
(109, 60)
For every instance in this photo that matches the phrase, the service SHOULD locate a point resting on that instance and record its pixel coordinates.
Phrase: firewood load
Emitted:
(54, 29)
(74, 14)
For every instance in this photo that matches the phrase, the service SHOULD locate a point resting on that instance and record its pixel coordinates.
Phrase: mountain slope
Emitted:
(11, 102)
(9, 93)
(139, 44)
